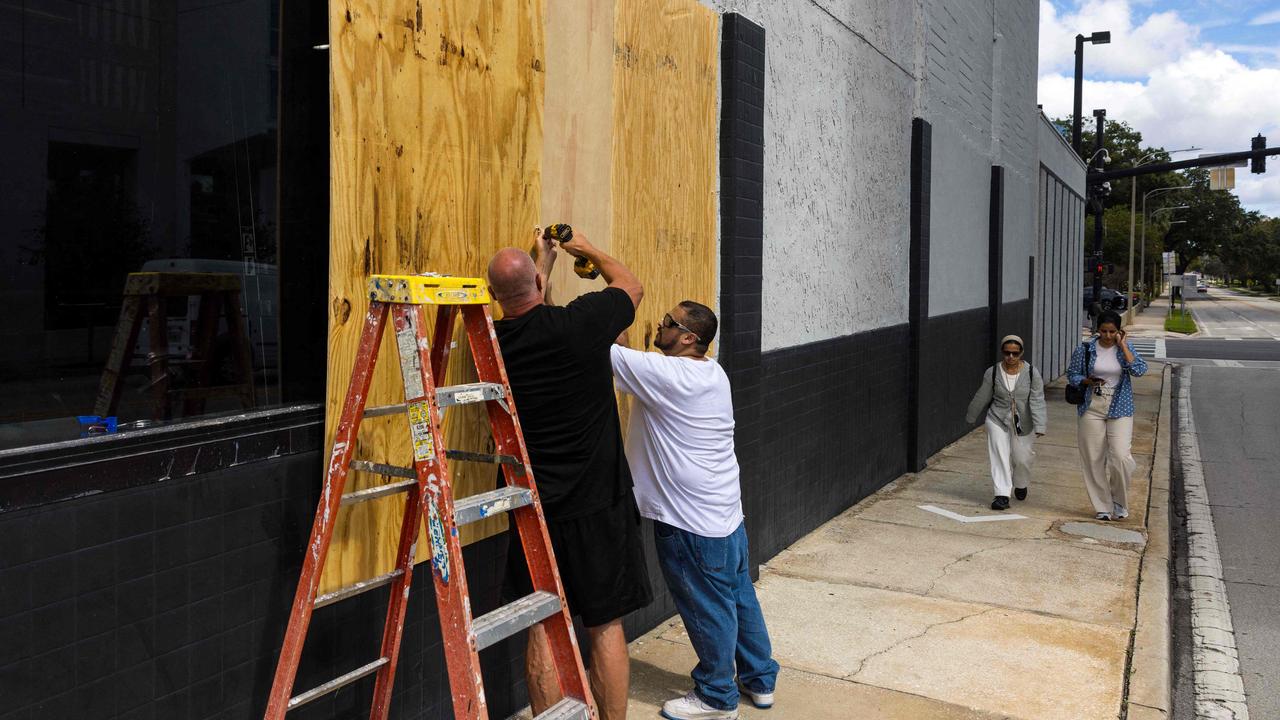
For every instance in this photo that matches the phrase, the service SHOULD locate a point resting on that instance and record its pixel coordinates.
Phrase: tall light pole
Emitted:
(1133, 210)
(1146, 195)
(1099, 191)
(1098, 38)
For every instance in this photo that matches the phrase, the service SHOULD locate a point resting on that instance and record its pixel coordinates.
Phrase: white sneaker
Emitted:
(1121, 512)
(692, 707)
(1102, 516)
(764, 701)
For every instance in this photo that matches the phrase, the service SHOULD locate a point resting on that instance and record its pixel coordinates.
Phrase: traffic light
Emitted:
(1258, 163)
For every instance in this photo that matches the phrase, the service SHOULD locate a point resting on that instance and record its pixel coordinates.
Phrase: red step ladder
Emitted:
(423, 359)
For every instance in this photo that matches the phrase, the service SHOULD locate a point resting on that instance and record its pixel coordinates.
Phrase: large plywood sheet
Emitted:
(578, 130)
(436, 149)
(444, 151)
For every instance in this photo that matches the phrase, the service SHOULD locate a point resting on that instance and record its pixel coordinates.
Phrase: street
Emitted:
(1223, 313)
(1235, 397)
(1238, 423)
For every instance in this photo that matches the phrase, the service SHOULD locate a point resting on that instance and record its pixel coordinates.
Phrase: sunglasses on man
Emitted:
(670, 322)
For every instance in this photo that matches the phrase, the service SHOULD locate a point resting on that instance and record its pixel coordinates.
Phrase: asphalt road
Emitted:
(1225, 313)
(1208, 348)
(1237, 415)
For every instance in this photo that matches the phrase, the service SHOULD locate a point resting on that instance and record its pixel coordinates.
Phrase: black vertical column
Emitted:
(918, 281)
(995, 257)
(742, 236)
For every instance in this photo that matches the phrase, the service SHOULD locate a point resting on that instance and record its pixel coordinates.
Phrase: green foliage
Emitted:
(1179, 322)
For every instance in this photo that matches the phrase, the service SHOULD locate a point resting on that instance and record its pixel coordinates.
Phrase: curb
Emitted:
(1149, 684)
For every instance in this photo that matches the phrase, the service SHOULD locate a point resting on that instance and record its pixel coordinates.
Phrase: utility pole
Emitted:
(1099, 211)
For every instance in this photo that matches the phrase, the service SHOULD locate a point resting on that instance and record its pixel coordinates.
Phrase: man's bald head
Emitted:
(513, 277)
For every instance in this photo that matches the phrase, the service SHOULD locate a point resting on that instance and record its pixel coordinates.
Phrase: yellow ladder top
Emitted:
(428, 290)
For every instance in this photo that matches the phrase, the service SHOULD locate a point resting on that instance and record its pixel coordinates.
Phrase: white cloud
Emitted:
(1199, 95)
(1134, 49)
(1266, 18)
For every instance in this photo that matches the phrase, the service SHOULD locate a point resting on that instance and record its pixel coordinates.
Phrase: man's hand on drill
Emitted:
(579, 246)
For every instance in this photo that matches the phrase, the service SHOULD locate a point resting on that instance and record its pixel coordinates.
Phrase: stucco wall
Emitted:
(843, 80)
(839, 97)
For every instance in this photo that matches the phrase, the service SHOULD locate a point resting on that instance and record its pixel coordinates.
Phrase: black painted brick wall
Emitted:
(954, 355)
(742, 239)
(170, 601)
(1015, 319)
(834, 431)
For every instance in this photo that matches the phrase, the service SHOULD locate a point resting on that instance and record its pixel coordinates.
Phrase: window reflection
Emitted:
(140, 137)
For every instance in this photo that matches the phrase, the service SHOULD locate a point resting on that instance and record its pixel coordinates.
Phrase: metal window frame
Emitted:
(38, 475)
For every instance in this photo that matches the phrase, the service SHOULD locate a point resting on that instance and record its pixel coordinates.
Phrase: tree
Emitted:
(1213, 220)
(1125, 149)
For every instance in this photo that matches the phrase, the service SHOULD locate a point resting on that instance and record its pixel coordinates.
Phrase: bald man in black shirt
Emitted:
(558, 364)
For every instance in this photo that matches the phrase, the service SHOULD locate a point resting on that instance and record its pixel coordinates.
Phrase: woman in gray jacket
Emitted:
(1012, 394)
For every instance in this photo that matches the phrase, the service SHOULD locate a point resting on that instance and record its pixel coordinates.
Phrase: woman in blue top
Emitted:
(1104, 428)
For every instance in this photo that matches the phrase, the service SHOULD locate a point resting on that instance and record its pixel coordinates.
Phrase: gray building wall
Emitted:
(1059, 279)
(840, 91)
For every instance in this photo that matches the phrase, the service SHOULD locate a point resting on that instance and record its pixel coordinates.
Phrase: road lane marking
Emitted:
(970, 519)
(1219, 687)
(1228, 363)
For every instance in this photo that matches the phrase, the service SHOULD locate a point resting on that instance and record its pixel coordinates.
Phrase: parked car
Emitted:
(1111, 299)
(1202, 286)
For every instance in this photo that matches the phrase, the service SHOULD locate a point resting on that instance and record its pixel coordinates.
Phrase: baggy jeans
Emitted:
(1106, 454)
(711, 584)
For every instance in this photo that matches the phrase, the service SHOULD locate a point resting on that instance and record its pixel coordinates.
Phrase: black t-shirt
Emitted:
(557, 361)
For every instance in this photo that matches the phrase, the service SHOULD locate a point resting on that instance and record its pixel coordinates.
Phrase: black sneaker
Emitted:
(1020, 493)
(1000, 503)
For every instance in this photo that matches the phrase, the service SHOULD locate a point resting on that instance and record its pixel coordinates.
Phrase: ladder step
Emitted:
(511, 619)
(373, 493)
(478, 507)
(566, 709)
(485, 458)
(448, 395)
(469, 393)
(382, 469)
(354, 589)
(344, 680)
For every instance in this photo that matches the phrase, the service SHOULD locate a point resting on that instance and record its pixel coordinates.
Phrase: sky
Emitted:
(1184, 73)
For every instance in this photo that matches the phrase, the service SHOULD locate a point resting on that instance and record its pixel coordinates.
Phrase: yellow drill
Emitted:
(563, 233)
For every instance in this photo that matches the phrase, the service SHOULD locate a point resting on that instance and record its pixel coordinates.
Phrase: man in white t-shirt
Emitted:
(680, 449)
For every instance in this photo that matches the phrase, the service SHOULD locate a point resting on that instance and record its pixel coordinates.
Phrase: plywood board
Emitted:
(436, 149)
(665, 149)
(577, 136)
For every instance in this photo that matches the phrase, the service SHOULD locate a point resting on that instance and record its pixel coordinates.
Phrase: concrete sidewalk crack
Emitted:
(863, 662)
(963, 558)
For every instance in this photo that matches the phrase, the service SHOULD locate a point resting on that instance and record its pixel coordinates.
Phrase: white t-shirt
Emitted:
(680, 441)
(1107, 365)
(1010, 381)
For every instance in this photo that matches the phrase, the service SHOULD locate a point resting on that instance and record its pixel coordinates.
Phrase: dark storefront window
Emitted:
(181, 137)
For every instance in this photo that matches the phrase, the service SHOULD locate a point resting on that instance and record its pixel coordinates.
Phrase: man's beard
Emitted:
(657, 342)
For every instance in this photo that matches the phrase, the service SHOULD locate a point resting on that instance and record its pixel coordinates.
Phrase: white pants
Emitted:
(1105, 445)
(1011, 458)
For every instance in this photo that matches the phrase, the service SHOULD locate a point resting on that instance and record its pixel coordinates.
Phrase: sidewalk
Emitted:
(892, 611)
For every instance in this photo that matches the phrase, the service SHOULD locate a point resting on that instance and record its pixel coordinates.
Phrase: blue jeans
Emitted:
(710, 582)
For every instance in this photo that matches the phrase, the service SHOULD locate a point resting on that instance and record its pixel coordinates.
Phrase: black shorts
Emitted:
(601, 562)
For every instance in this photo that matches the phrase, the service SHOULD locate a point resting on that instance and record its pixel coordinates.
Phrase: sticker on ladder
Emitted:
(468, 396)
(439, 549)
(424, 447)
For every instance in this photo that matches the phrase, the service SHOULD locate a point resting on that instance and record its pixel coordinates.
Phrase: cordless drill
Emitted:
(563, 233)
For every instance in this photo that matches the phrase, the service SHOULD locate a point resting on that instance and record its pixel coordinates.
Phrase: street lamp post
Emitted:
(1146, 195)
(1099, 137)
(1098, 38)
(1133, 209)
